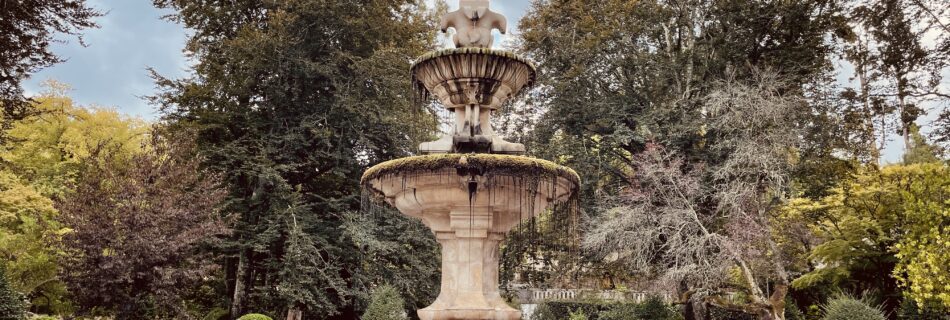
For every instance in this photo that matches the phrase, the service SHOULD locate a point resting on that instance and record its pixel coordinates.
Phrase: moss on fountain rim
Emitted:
(486, 51)
(484, 162)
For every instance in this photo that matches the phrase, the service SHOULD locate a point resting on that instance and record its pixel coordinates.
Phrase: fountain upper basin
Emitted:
(472, 76)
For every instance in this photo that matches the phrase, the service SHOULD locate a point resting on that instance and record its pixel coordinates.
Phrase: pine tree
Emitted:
(12, 306)
(291, 102)
(385, 304)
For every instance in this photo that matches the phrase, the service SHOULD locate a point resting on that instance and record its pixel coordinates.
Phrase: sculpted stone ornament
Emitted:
(471, 186)
(473, 23)
(472, 81)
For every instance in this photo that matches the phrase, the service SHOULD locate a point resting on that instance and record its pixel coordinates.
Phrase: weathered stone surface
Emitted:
(473, 23)
(470, 215)
(472, 83)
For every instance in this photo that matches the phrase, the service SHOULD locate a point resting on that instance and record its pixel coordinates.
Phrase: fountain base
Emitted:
(470, 202)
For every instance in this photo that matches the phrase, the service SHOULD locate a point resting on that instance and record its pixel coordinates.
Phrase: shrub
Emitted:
(579, 315)
(930, 311)
(620, 311)
(792, 312)
(653, 309)
(217, 314)
(560, 310)
(717, 313)
(12, 305)
(254, 316)
(385, 304)
(845, 307)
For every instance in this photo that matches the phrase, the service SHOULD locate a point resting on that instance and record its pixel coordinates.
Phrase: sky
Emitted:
(111, 71)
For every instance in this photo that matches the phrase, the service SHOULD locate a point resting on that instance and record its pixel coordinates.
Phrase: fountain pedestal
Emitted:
(469, 287)
(470, 202)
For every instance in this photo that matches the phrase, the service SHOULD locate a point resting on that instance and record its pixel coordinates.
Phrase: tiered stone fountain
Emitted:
(471, 187)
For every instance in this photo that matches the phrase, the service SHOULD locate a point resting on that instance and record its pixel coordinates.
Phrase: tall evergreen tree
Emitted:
(291, 101)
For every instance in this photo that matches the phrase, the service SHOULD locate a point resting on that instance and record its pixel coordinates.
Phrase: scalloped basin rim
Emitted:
(486, 51)
(483, 161)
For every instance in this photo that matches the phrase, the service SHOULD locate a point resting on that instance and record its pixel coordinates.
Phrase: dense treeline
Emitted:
(730, 153)
(725, 160)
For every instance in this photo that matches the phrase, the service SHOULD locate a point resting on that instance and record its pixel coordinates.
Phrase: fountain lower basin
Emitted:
(470, 202)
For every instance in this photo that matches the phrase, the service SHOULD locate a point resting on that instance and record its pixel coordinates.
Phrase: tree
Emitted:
(26, 30)
(29, 234)
(616, 75)
(12, 306)
(54, 144)
(382, 239)
(709, 226)
(291, 101)
(875, 229)
(897, 71)
(136, 228)
(921, 251)
(920, 151)
(385, 304)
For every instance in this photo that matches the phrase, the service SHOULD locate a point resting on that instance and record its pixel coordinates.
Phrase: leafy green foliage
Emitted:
(717, 313)
(578, 315)
(920, 151)
(29, 234)
(931, 310)
(53, 145)
(12, 306)
(291, 101)
(849, 308)
(652, 308)
(217, 314)
(385, 304)
(383, 238)
(792, 312)
(882, 227)
(254, 316)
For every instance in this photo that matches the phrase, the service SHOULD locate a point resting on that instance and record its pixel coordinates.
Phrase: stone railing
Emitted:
(539, 295)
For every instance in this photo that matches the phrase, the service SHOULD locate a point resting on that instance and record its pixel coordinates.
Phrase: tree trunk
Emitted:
(240, 285)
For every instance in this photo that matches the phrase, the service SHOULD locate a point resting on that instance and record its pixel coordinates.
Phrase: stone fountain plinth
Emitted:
(470, 202)
(471, 187)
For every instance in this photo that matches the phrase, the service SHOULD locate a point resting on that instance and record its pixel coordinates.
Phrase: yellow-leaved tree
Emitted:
(47, 149)
(885, 231)
(39, 162)
(924, 250)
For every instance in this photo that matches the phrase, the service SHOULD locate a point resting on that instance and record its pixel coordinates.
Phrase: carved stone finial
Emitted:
(473, 23)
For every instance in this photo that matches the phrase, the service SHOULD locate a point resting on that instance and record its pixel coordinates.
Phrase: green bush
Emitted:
(560, 310)
(653, 308)
(931, 311)
(845, 307)
(620, 311)
(44, 317)
(717, 313)
(254, 316)
(792, 312)
(12, 305)
(385, 304)
(579, 315)
(217, 314)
